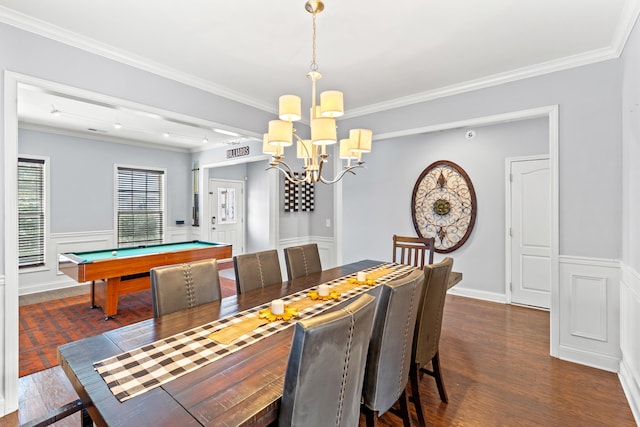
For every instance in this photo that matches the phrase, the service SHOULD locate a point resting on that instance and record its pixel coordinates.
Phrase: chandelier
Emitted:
(322, 121)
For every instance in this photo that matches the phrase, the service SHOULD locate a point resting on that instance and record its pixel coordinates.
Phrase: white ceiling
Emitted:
(381, 54)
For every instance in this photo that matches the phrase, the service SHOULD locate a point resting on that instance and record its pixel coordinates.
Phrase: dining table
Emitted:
(242, 387)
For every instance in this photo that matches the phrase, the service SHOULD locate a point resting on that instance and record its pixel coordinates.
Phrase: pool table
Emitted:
(124, 270)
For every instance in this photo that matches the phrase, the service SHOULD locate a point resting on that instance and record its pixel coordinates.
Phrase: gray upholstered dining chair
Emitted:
(389, 358)
(427, 333)
(416, 251)
(302, 260)
(257, 270)
(323, 380)
(180, 286)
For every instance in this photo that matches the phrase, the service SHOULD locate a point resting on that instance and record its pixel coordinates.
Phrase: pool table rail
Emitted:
(110, 271)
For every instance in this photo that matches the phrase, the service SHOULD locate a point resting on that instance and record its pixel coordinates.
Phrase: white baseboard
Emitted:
(589, 358)
(631, 390)
(62, 283)
(477, 294)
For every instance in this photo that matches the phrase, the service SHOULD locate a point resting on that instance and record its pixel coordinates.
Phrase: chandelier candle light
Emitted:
(313, 151)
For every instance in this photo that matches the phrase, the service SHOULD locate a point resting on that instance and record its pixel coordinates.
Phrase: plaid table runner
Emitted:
(132, 373)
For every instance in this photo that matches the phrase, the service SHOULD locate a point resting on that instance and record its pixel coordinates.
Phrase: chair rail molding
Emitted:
(590, 312)
(629, 373)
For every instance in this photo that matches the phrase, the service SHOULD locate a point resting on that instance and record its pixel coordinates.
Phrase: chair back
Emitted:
(323, 380)
(302, 260)
(180, 286)
(429, 322)
(389, 357)
(416, 251)
(257, 270)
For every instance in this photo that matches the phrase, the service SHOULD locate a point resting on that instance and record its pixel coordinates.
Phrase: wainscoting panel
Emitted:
(48, 277)
(589, 295)
(630, 338)
(590, 312)
(326, 248)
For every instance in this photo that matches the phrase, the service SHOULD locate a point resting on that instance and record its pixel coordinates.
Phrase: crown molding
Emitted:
(489, 81)
(36, 26)
(627, 21)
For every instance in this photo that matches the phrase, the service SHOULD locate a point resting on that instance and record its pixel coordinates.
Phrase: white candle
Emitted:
(362, 276)
(323, 290)
(277, 306)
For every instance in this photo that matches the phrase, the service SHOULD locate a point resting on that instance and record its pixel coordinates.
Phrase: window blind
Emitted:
(31, 212)
(140, 207)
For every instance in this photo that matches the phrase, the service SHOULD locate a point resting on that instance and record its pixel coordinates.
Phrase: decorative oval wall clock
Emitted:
(443, 205)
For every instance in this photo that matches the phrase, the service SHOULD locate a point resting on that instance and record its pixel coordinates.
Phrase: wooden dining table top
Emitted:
(242, 388)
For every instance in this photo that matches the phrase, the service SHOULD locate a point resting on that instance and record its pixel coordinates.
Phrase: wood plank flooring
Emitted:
(497, 371)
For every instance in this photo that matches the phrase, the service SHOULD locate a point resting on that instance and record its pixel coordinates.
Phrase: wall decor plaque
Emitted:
(443, 205)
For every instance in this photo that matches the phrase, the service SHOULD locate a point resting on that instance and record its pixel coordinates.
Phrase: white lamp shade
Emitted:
(361, 140)
(304, 149)
(290, 108)
(331, 103)
(323, 131)
(345, 149)
(280, 133)
(268, 148)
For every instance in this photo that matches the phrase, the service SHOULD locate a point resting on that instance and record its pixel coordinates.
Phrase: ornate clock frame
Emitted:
(443, 205)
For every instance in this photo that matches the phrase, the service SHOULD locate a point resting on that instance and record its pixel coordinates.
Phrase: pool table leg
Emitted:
(93, 295)
(105, 295)
(111, 304)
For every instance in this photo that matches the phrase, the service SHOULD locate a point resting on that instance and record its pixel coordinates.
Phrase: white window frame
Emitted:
(115, 197)
(47, 212)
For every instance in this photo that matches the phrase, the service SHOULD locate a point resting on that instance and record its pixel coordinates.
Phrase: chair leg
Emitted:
(404, 409)
(437, 373)
(371, 416)
(415, 394)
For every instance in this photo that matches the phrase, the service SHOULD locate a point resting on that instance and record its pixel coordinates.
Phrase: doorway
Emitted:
(529, 230)
(226, 209)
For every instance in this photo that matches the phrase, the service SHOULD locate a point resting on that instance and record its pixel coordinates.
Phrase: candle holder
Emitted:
(278, 311)
(324, 293)
(357, 281)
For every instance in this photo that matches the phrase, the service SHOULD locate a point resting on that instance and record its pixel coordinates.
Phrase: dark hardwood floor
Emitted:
(497, 371)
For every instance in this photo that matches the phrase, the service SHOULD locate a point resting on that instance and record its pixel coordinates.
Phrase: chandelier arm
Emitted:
(288, 175)
(341, 174)
(321, 164)
(315, 155)
(279, 162)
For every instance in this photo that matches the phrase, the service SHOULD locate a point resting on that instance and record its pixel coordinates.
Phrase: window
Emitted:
(140, 211)
(31, 212)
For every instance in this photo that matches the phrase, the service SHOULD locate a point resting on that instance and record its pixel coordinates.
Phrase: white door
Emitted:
(530, 232)
(226, 207)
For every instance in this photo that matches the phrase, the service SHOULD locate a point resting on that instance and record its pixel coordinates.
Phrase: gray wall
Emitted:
(378, 204)
(631, 152)
(590, 157)
(36, 56)
(82, 178)
(233, 172)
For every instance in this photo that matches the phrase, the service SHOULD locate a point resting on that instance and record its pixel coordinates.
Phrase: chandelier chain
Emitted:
(314, 64)
(323, 128)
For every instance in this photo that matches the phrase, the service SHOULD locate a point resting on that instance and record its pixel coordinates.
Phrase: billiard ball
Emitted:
(114, 253)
